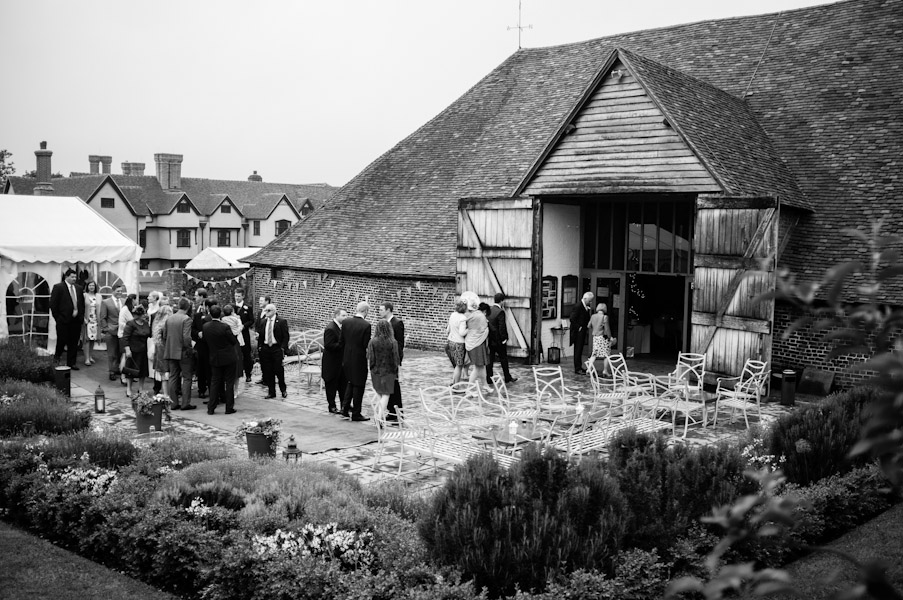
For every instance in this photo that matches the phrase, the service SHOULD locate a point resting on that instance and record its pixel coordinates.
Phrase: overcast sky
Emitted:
(300, 91)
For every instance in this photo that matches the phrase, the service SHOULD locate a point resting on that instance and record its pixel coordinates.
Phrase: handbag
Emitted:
(130, 369)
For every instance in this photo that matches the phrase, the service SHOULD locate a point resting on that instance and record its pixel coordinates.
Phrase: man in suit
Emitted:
(258, 325)
(498, 339)
(197, 336)
(246, 313)
(331, 365)
(178, 353)
(272, 342)
(108, 320)
(67, 305)
(580, 316)
(387, 312)
(355, 336)
(220, 343)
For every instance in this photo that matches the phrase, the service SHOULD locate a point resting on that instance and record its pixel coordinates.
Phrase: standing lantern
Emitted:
(100, 400)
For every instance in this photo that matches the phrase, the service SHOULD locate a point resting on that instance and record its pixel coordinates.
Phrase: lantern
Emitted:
(100, 400)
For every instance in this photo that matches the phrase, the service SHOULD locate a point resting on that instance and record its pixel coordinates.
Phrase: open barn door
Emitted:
(494, 255)
(735, 245)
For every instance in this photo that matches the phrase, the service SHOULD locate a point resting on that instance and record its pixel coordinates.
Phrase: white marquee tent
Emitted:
(221, 258)
(41, 237)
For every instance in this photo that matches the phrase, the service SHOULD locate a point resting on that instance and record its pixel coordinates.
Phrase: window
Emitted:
(306, 209)
(275, 273)
(178, 264)
(142, 238)
(282, 226)
(549, 297)
(107, 203)
(183, 207)
(183, 238)
(223, 238)
(256, 227)
(144, 264)
(225, 209)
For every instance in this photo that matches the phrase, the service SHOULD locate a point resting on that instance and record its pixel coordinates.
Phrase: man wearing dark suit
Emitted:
(178, 353)
(258, 325)
(220, 343)
(355, 336)
(67, 305)
(272, 342)
(246, 314)
(108, 320)
(498, 339)
(197, 334)
(387, 312)
(580, 316)
(331, 365)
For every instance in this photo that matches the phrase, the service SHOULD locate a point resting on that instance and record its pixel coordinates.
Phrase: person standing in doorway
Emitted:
(331, 365)
(387, 312)
(67, 305)
(246, 313)
(108, 321)
(580, 316)
(272, 342)
(197, 335)
(356, 337)
(221, 344)
(498, 339)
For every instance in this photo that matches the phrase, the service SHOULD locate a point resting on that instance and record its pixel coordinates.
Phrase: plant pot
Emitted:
(144, 422)
(259, 445)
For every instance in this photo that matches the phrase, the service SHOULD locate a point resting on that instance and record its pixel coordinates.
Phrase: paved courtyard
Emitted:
(306, 406)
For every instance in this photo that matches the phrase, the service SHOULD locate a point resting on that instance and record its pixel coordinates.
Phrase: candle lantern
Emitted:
(100, 400)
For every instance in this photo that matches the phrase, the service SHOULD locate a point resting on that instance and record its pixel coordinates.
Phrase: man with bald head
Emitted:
(355, 338)
(272, 342)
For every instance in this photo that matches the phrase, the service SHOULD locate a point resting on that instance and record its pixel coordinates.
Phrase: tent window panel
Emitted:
(183, 238)
(28, 308)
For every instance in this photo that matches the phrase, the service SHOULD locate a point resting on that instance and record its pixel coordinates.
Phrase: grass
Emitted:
(34, 568)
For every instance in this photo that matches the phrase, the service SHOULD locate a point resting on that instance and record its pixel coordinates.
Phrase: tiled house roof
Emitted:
(806, 104)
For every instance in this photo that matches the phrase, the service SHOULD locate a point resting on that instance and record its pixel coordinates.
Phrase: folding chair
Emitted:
(747, 390)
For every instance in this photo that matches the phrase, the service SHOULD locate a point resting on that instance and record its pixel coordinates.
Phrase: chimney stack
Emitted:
(126, 168)
(43, 187)
(133, 168)
(169, 170)
(106, 162)
(255, 177)
(94, 161)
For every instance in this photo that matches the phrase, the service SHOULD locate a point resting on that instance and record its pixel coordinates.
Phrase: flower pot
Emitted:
(259, 445)
(144, 422)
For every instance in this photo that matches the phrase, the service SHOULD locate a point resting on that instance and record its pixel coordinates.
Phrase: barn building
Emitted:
(671, 172)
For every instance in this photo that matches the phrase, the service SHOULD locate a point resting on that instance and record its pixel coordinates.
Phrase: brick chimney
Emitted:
(126, 168)
(43, 187)
(169, 170)
(94, 161)
(255, 177)
(105, 163)
(133, 168)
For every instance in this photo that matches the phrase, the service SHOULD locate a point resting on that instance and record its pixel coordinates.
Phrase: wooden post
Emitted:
(536, 285)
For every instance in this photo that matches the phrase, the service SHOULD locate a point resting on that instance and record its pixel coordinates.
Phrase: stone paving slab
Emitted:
(420, 369)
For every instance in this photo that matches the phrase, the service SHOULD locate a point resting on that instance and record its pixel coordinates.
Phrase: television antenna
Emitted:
(520, 28)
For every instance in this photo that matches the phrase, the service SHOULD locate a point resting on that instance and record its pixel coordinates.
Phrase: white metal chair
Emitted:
(398, 432)
(309, 362)
(690, 368)
(551, 393)
(743, 392)
(509, 405)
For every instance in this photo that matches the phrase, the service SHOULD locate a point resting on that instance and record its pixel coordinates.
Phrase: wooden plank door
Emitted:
(735, 244)
(494, 255)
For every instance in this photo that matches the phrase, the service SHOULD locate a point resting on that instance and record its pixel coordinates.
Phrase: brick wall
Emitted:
(306, 299)
(177, 280)
(805, 348)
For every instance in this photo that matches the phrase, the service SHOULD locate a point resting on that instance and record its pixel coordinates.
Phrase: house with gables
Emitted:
(172, 217)
(670, 172)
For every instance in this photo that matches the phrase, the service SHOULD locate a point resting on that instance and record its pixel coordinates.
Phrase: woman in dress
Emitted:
(475, 342)
(382, 356)
(160, 366)
(125, 315)
(136, 333)
(454, 348)
(89, 330)
(601, 332)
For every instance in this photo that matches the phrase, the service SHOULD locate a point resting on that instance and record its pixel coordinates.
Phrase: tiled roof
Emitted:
(827, 93)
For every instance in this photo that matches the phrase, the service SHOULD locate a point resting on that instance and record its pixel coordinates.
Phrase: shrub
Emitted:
(40, 409)
(174, 453)
(669, 488)
(20, 361)
(108, 448)
(395, 496)
(815, 441)
(521, 527)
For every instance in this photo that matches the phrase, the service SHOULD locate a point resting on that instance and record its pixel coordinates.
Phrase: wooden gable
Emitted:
(620, 142)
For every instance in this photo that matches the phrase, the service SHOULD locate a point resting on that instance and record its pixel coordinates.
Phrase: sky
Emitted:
(299, 91)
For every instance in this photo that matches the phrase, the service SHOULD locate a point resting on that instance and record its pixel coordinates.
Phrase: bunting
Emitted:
(209, 282)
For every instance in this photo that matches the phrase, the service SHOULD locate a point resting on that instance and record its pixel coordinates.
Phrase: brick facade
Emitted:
(805, 348)
(307, 298)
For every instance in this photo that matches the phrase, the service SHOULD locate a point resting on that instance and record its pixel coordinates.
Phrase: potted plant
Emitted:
(261, 436)
(149, 411)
